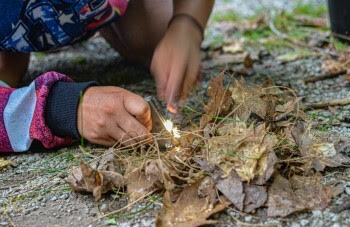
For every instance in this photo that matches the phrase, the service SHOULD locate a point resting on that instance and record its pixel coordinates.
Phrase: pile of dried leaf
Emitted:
(254, 148)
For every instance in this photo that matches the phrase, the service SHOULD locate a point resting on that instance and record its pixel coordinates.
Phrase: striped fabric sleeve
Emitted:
(22, 115)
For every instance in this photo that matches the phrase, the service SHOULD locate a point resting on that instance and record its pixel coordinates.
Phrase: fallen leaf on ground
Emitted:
(246, 100)
(243, 149)
(220, 100)
(287, 108)
(190, 209)
(317, 151)
(151, 176)
(232, 188)
(300, 193)
(5, 163)
(255, 197)
(85, 178)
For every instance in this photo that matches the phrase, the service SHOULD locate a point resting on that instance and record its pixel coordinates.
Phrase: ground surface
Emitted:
(33, 193)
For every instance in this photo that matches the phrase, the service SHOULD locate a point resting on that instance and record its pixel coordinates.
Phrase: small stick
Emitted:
(335, 102)
(324, 77)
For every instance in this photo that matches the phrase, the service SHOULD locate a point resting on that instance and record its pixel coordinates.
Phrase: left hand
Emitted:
(176, 62)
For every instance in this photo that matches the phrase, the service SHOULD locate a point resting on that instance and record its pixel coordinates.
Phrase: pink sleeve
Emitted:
(22, 115)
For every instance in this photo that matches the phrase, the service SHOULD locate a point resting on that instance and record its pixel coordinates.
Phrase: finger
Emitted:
(122, 137)
(160, 74)
(105, 141)
(175, 81)
(190, 80)
(134, 128)
(138, 107)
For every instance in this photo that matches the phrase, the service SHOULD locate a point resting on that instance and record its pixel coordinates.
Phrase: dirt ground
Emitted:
(33, 193)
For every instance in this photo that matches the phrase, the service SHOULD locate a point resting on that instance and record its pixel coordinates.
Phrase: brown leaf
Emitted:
(255, 197)
(242, 149)
(232, 188)
(243, 196)
(98, 182)
(300, 193)
(190, 209)
(281, 201)
(246, 100)
(266, 167)
(287, 108)
(151, 176)
(316, 148)
(219, 102)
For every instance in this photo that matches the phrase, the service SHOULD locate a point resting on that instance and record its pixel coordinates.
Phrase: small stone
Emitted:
(335, 218)
(54, 198)
(295, 224)
(336, 225)
(248, 218)
(104, 207)
(316, 213)
(347, 190)
(304, 222)
(4, 223)
(64, 196)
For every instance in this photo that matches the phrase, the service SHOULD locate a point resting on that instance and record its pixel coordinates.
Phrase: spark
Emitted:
(169, 126)
(176, 133)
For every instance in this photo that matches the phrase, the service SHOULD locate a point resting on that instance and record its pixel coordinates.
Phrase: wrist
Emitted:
(188, 24)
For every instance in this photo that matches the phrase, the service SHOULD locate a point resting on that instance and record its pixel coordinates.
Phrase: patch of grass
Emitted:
(338, 45)
(256, 34)
(225, 16)
(310, 9)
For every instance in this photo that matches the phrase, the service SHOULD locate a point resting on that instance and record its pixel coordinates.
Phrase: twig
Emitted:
(324, 77)
(320, 105)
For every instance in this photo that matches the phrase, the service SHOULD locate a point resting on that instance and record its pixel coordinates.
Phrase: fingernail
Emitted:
(172, 108)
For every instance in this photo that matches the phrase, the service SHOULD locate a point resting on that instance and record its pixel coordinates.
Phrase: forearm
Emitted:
(44, 111)
(199, 9)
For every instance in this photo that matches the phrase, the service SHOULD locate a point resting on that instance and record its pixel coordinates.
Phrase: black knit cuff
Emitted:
(62, 106)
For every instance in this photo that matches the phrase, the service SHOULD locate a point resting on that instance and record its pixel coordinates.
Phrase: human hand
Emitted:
(108, 115)
(176, 62)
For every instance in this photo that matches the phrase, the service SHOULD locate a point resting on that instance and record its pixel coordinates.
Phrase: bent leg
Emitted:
(13, 66)
(137, 33)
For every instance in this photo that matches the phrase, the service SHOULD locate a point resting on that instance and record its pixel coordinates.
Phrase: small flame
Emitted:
(169, 126)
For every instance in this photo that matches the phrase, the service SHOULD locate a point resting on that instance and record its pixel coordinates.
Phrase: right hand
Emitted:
(108, 115)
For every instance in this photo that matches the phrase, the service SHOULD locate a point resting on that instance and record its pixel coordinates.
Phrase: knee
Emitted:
(13, 66)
